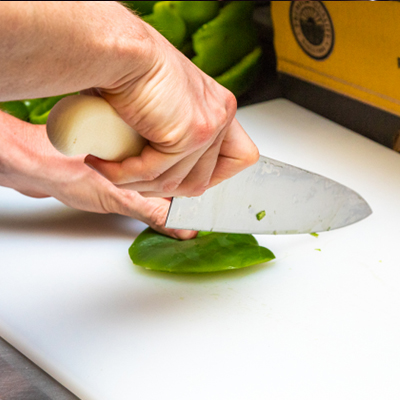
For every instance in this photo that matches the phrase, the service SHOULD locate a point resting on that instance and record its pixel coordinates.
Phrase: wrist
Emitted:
(133, 49)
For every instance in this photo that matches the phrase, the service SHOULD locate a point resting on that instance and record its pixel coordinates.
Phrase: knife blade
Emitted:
(270, 197)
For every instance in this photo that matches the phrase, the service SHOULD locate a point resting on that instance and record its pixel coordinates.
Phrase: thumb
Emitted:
(152, 211)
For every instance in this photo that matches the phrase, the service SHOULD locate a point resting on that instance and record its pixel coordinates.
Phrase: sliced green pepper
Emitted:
(15, 108)
(225, 40)
(209, 252)
(242, 75)
(168, 22)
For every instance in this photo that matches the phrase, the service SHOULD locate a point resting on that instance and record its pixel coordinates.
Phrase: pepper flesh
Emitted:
(209, 252)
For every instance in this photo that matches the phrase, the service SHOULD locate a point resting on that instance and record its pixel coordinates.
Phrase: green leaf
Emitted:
(168, 22)
(242, 75)
(15, 108)
(209, 252)
(225, 40)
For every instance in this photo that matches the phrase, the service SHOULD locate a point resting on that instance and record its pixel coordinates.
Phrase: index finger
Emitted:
(237, 152)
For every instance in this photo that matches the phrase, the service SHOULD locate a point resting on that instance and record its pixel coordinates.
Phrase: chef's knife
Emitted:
(270, 197)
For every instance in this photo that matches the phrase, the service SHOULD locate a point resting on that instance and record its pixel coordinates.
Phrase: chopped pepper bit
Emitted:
(314, 234)
(261, 215)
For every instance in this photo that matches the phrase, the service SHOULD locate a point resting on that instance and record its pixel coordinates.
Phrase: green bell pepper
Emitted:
(41, 112)
(15, 108)
(32, 103)
(195, 13)
(226, 39)
(168, 22)
(242, 75)
(141, 7)
(209, 252)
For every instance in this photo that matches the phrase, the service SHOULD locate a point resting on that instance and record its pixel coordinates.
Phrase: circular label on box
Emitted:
(312, 27)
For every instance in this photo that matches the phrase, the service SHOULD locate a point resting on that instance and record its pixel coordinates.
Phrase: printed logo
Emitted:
(312, 27)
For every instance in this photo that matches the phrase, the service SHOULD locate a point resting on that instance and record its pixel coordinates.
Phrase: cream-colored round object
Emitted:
(81, 124)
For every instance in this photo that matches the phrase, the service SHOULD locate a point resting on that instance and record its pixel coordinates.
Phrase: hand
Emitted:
(194, 140)
(188, 118)
(30, 165)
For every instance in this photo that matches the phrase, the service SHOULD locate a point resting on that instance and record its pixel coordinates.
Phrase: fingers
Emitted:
(164, 174)
(151, 211)
(221, 161)
(182, 179)
(146, 167)
(161, 175)
(236, 154)
(86, 190)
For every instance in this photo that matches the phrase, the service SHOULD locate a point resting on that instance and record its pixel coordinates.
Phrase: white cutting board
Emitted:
(310, 325)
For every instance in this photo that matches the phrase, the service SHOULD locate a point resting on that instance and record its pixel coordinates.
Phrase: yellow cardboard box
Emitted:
(350, 48)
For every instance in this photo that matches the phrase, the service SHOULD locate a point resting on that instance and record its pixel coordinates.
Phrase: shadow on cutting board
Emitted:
(64, 221)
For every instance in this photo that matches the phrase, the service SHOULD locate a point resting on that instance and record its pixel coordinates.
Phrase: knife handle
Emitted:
(81, 124)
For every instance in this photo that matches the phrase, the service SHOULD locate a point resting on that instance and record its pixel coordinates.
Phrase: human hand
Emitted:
(31, 165)
(195, 142)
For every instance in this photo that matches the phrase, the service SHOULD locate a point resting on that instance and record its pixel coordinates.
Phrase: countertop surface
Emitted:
(325, 311)
(20, 379)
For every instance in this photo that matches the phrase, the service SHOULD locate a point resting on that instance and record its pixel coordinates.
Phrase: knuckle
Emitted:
(198, 191)
(150, 175)
(158, 217)
(223, 116)
(204, 129)
(231, 103)
(125, 202)
(170, 185)
(252, 157)
(108, 205)
(116, 202)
